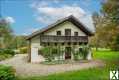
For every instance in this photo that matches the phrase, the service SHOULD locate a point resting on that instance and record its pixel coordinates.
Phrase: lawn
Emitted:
(111, 59)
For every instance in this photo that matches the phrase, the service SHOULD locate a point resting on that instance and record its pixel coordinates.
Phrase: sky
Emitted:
(27, 16)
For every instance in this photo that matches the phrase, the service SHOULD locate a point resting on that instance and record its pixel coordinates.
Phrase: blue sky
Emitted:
(26, 16)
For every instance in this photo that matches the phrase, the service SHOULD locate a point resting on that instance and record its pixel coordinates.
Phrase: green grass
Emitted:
(111, 59)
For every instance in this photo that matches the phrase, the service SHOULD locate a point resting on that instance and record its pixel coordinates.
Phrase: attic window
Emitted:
(59, 33)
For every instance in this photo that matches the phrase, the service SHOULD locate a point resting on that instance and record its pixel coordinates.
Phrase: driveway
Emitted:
(23, 68)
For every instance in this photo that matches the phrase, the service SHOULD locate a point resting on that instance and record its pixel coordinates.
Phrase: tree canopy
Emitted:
(8, 39)
(107, 26)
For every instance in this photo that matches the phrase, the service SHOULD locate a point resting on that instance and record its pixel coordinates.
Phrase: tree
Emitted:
(95, 38)
(6, 34)
(110, 9)
(19, 41)
(107, 26)
(8, 39)
(100, 37)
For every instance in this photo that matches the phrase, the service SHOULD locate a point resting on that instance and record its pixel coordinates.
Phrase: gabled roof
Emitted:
(71, 19)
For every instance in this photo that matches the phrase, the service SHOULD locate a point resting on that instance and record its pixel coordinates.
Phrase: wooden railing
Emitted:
(63, 38)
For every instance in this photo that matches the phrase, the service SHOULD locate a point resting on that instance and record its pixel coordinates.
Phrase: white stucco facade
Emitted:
(36, 45)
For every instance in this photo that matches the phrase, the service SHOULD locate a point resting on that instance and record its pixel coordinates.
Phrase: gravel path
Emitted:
(28, 69)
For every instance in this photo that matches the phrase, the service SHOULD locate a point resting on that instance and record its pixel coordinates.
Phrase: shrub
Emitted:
(76, 55)
(7, 73)
(46, 52)
(85, 51)
(7, 51)
(51, 52)
(4, 56)
(23, 50)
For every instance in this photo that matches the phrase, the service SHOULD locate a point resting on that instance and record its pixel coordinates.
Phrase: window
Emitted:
(59, 33)
(67, 32)
(69, 43)
(75, 43)
(80, 43)
(62, 43)
(48, 44)
(80, 49)
(55, 44)
(75, 33)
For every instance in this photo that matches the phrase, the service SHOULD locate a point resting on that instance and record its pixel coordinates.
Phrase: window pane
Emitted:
(75, 33)
(67, 32)
(58, 32)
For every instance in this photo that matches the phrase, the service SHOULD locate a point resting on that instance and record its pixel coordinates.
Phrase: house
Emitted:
(67, 32)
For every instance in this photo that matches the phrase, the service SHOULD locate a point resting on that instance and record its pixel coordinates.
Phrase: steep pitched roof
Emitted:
(71, 19)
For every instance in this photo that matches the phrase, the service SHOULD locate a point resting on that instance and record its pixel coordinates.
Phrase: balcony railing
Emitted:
(63, 38)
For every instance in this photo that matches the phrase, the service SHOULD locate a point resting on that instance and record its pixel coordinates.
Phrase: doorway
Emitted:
(67, 52)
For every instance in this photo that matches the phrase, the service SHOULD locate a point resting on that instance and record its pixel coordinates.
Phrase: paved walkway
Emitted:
(28, 69)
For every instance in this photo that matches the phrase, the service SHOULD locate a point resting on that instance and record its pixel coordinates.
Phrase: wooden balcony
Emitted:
(63, 38)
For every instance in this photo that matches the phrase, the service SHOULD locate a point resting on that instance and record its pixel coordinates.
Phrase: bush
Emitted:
(23, 50)
(51, 52)
(85, 51)
(4, 56)
(7, 73)
(7, 51)
(46, 52)
(76, 55)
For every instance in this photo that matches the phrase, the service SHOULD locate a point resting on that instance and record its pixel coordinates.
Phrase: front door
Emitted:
(68, 53)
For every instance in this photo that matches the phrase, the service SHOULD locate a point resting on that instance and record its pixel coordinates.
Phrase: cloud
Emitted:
(49, 14)
(43, 3)
(10, 19)
(39, 4)
(44, 19)
(62, 11)
(29, 30)
(32, 29)
(88, 22)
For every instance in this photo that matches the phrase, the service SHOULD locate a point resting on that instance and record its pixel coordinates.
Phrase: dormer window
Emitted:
(59, 33)
(75, 33)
